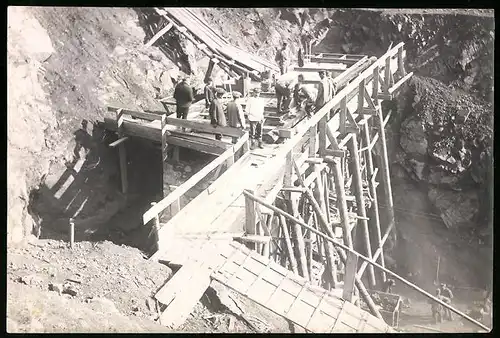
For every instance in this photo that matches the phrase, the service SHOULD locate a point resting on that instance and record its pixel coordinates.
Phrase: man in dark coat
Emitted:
(183, 95)
(216, 111)
(235, 116)
(209, 92)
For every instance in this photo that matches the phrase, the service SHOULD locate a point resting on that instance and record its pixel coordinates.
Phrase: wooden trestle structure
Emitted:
(312, 207)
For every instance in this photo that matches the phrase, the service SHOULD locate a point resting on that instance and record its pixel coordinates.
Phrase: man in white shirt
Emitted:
(255, 111)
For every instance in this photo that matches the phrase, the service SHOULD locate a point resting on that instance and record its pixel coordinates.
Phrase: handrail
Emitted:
(192, 181)
(334, 103)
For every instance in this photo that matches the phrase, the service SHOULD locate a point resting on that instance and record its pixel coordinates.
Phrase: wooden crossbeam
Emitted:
(119, 141)
(158, 35)
(398, 84)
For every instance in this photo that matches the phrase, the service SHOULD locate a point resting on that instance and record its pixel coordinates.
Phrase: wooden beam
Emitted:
(375, 218)
(350, 276)
(322, 125)
(341, 201)
(192, 181)
(384, 163)
(398, 84)
(205, 127)
(359, 284)
(139, 114)
(288, 242)
(360, 201)
(160, 33)
(119, 141)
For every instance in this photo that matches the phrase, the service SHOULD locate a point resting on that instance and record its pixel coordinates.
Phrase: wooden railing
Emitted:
(174, 197)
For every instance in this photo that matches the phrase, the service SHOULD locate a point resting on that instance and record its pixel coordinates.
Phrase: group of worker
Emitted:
(235, 113)
(291, 91)
(440, 312)
(232, 116)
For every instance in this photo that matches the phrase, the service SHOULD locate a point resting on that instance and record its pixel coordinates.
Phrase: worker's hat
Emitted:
(256, 90)
(220, 91)
(321, 72)
(236, 95)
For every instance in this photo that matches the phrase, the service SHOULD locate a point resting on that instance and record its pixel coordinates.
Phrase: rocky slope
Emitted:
(443, 134)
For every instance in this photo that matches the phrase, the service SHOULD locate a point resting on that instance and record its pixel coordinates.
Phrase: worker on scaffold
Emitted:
(255, 111)
(216, 112)
(235, 116)
(283, 58)
(183, 95)
(448, 297)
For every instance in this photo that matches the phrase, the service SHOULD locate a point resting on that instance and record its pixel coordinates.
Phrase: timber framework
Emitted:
(296, 226)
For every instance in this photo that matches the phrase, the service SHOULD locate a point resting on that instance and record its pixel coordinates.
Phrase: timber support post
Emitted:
(360, 201)
(375, 218)
(122, 151)
(250, 218)
(384, 162)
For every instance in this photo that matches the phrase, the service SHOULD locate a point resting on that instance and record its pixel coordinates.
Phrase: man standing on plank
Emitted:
(209, 92)
(255, 111)
(235, 116)
(183, 95)
(217, 116)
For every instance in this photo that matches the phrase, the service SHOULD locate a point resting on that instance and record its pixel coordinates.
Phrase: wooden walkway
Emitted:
(259, 279)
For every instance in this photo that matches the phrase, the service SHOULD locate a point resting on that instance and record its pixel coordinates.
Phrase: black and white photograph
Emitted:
(249, 170)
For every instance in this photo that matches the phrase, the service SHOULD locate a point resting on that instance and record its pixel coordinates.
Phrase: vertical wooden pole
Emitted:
(360, 201)
(266, 246)
(361, 287)
(250, 218)
(71, 233)
(349, 276)
(375, 83)
(387, 76)
(343, 115)
(326, 196)
(299, 238)
(322, 135)
(122, 152)
(384, 163)
(312, 141)
(342, 202)
(375, 218)
(288, 242)
(155, 230)
(164, 155)
(361, 96)
(175, 155)
(401, 64)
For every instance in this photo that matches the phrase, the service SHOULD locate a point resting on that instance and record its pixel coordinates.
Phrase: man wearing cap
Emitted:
(209, 92)
(282, 58)
(183, 95)
(304, 96)
(323, 91)
(255, 111)
(283, 88)
(235, 114)
(217, 117)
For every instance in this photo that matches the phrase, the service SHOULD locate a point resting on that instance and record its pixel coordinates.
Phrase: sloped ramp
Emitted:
(259, 279)
(215, 42)
(278, 289)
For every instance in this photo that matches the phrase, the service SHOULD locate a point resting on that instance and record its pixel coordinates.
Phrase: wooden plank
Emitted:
(398, 84)
(119, 141)
(138, 114)
(175, 284)
(205, 127)
(180, 308)
(192, 181)
(158, 35)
